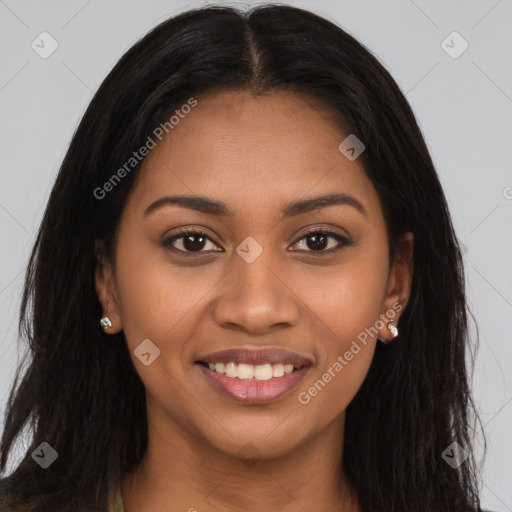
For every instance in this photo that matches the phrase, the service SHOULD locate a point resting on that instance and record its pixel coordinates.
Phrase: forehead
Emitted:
(252, 151)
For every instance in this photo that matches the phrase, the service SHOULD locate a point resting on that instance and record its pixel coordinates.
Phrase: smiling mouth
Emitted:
(250, 372)
(254, 375)
(253, 384)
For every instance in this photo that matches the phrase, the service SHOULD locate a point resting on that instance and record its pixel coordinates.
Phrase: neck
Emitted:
(182, 472)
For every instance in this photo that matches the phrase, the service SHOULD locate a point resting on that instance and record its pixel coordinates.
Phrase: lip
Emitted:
(256, 356)
(255, 391)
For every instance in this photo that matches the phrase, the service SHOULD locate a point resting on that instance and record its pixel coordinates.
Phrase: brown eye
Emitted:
(190, 241)
(319, 241)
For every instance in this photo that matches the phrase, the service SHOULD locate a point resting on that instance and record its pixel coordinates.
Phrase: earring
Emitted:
(393, 330)
(106, 323)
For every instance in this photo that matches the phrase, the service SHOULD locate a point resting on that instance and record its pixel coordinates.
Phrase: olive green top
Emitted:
(116, 501)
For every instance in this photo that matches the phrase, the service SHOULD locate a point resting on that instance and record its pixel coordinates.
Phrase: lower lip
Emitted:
(254, 391)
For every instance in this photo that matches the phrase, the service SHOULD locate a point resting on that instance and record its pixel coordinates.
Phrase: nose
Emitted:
(255, 297)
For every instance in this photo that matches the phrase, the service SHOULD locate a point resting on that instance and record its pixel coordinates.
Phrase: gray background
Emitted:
(464, 107)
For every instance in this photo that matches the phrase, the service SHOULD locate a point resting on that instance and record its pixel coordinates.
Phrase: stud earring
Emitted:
(393, 330)
(106, 323)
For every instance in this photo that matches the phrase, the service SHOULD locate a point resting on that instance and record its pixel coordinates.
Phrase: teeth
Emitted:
(277, 370)
(263, 372)
(248, 371)
(231, 370)
(245, 371)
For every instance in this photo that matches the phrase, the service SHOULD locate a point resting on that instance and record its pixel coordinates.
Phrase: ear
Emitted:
(106, 290)
(399, 285)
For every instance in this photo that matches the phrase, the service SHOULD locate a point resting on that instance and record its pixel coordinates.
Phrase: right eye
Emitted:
(191, 241)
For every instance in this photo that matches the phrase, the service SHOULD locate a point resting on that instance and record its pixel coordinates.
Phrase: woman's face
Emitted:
(253, 280)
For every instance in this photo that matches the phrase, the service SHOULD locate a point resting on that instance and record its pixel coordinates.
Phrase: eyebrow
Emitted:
(213, 207)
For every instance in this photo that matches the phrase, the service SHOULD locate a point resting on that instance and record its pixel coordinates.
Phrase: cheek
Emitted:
(161, 301)
(348, 307)
(157, 302)
(344, 352)
(347, 298)
(154, 294)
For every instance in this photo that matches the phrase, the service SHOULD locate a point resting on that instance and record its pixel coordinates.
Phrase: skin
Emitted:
(255, 154)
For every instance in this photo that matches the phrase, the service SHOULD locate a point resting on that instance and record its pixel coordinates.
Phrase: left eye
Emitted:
(194, 241)
(319, 240)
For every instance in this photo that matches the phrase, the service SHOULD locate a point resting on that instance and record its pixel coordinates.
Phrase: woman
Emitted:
(246, 291)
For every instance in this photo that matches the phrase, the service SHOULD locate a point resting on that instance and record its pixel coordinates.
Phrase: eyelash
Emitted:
(183, 233)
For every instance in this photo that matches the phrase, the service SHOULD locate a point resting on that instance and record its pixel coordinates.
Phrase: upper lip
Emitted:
(256, 356)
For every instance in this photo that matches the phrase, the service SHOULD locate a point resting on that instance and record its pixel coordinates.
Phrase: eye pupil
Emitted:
(319, 243)
(191, 246)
